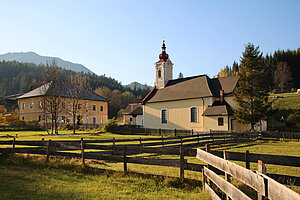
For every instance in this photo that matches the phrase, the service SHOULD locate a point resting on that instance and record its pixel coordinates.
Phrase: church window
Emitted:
(194, 114)
(164, 116)
(159, 74)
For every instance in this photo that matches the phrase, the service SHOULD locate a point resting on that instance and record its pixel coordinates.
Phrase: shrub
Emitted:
(111, 125)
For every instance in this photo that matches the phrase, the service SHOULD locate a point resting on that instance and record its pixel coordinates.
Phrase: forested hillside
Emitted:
(283, 70)
(17, 78)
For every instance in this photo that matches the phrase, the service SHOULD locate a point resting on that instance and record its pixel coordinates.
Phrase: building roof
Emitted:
(192, 87)
(48, 90)
(133, 109)
(218, 109)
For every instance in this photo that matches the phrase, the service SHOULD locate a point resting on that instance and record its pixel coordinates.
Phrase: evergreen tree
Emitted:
(251, 94)
(180, 75)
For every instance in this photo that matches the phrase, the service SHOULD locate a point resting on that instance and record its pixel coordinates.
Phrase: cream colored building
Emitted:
(92, 108)
(198, 102)
(133, 114)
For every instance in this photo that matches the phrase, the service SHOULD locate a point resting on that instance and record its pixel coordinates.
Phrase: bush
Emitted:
(111, 125)
(291, 120)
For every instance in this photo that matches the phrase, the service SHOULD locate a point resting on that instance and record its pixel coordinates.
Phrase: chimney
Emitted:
(221, 96)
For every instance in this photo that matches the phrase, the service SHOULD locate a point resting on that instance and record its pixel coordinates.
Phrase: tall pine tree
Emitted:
(251, 94)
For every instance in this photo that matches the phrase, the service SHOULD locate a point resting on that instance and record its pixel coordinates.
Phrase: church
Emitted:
(198, 102)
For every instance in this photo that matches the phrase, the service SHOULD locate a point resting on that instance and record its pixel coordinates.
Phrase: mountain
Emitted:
(137, 85)
(31, 57)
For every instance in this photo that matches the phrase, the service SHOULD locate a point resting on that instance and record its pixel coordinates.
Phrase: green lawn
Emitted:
(286, 101)
(126, 187)
(61, 179)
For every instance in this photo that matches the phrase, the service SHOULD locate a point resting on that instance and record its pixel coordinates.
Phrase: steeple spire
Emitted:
(163, 57)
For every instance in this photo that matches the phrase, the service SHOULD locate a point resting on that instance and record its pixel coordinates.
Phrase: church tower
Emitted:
(163, 69)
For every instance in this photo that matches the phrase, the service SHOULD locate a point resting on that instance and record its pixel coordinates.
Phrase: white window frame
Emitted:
(31, 104)
(197, 114)
(23, 105)
(101, 108)
(167, 116)
(94, 106)
(94, 120)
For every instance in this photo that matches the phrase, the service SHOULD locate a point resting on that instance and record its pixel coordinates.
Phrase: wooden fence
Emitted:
(281, 135)
(122, 150)
(266, 187)
(248, 157)
(128, 150)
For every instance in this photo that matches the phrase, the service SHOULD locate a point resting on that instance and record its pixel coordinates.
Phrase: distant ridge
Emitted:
(32, 57)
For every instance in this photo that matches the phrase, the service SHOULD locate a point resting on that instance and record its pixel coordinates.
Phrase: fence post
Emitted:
(227, 176)
(192, 132)
(181, 141)
(48, 150)
(207, 147)
(182, 163)
(114, 141)
(247, 160)
(16, 135)
(125, 158)
(14, 146)
(175, 132)
(82, 152)
(162, 140)
(43, 144)
(203, 179)
(262, 169)
(159, 131)
(141, 141)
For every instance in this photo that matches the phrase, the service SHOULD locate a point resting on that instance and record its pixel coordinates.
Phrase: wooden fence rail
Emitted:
(266, 187)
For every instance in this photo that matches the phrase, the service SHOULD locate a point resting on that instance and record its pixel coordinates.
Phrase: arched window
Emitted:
(159, 73)
(194, 114)
(164, 116)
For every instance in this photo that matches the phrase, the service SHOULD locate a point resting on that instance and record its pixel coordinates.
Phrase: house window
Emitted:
(101, 108)
(94, 107)
(23, 118)
(23, 106)
(101, 120)
(31, 105)
(40, 104)
(220, 121)
(194, 114)
(94, 120)
(131, 119)
(164, 116)
(63, 105)
(79, 106)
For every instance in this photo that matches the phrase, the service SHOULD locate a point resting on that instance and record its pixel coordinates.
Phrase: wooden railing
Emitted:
(248, 157)
(266, 187)
(122, 150)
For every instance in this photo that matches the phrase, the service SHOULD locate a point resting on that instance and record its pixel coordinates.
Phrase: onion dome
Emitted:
(163, 56)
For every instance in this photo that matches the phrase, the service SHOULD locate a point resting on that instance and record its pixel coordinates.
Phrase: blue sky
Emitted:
(122, 39)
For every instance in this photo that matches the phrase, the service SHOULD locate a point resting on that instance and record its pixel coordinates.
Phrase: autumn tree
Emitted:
(52, 96)
(250, 93)
(283, 77)
(77, 88)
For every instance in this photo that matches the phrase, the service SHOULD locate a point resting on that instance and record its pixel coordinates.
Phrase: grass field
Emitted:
(66, 179)
(125, 187)
(286, 101)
